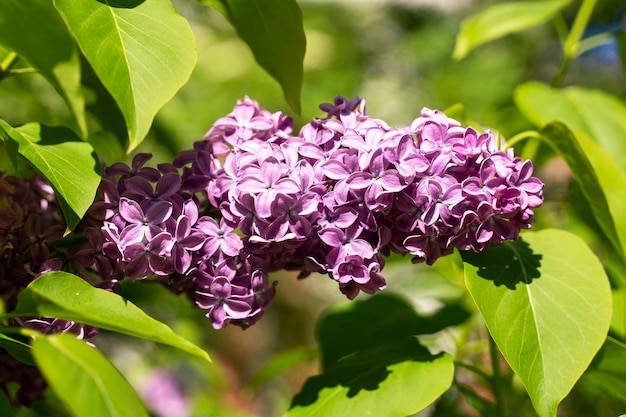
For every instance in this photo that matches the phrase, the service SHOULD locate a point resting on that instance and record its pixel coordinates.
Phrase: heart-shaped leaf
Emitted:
(68, 297)
(546, 302)
(84, 379)
(142, 51)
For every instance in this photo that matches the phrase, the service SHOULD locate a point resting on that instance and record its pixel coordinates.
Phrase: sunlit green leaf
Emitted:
(68, 297)
(273, 30)
(64, 160)
(503, 19)
(84, 379)
(394, 380)
(595, 113)
(35, 31)
(546, 302)
(602, 182)
(142, 51)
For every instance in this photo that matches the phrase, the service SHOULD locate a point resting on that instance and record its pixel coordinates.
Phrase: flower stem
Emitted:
(571, 45)
(9, 62)
(496, 378)
(527, 134)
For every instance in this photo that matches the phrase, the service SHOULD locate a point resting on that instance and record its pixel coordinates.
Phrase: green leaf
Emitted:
(547, 303)
(594, 113)
(68, 297)
(379, 320)
(84, 379)
(142, 51)
(18, 349)
(607, 375)
(394, 380)
(64, 160)
(35, 31)
(6, 409)
(602, 182)
(273, 30)
(503, 19)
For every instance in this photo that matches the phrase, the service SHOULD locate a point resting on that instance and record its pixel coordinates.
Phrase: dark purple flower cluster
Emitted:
(31, 244)
(336, 199)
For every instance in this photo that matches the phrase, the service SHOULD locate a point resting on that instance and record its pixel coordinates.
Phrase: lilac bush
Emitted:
(337, 198)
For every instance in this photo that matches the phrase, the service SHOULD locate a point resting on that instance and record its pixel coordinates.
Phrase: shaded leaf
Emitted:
(592, 112)
(64, 160)
(546, 302)
(397, 379)
(607, 375)
(503, 19)
(84, 379)
(600, 180)
(34, 30)
(273, 30)
(68, 297)
(18, 349)
(379, 320)
(5, 406)
(142, 51)
(109, 117)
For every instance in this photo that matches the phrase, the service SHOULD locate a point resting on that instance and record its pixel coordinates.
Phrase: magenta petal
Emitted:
(362, 248)
(131, 211)
(138, 185)
(250, 184)
(131, 234)
(271, 170)
(159, 212)
(168, 184)
(332, 236)
(390, 181)
(360, 180)
(237, 309)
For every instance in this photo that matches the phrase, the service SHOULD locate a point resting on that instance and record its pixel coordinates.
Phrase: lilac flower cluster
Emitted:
(336, 199)
(152, 226)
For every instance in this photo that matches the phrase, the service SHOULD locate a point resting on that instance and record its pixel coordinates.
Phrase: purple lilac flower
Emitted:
(336, 198)
(162, 394)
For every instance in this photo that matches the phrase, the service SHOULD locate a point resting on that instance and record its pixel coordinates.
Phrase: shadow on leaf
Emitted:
(365, 370)
(122, 4)
(508, 264)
